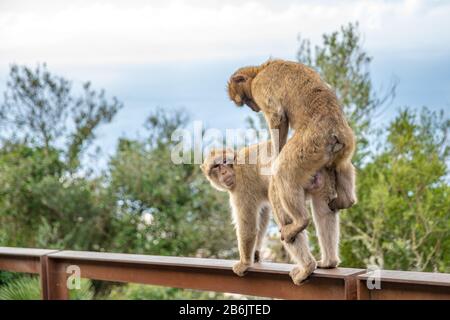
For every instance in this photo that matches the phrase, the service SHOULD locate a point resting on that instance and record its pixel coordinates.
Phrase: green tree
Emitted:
(45, 199)
(40, 109)
(171, 208)
(402, 220)
(41, 206)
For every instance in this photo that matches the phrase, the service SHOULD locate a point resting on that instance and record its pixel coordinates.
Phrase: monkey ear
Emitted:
(239, 78)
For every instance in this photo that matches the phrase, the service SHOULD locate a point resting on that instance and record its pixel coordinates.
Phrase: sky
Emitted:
(173, 54)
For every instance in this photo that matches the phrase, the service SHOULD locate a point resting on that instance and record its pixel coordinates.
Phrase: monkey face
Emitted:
(239, 90)
(218, 168)
(224, 174)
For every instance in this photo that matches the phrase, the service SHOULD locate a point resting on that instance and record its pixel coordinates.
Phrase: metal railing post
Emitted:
(56, 280)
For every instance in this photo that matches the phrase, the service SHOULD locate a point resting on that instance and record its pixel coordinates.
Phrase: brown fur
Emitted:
(292, 94)
(249, 199)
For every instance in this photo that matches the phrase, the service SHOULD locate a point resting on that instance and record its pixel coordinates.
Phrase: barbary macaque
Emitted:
(293, 95)
(248, 189)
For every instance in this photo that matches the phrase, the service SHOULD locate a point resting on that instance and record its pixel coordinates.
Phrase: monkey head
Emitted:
(218, 168)
(239, 87)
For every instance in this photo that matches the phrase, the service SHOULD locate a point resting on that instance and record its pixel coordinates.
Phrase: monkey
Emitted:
(293, 95)
(249, 199)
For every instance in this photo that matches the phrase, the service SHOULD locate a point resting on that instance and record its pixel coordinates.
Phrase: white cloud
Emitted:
(123, 32)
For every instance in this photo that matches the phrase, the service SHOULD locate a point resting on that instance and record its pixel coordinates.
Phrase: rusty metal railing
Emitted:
(264, 280)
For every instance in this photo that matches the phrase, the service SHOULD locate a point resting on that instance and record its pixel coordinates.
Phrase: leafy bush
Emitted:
(28, 288)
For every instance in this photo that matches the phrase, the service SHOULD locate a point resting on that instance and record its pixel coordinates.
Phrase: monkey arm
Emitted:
(327, 228)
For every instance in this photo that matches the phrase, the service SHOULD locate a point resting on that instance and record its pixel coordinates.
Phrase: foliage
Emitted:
(41, 206)
(28, 288)
(45, 197)
(186, 216)
(402, 220)
(42, 108)
(6, 276)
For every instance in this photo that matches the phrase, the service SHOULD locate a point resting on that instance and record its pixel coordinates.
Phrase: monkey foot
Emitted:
(328, 264)
(290, 231)
(300, 275)
(241, 268)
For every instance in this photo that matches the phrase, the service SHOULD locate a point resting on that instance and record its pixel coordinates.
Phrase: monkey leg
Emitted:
(289, 227)
(281, 217)
(263, 223)
(300, 159)
(300, 253)
(298, 248)
(246, 231)
(345, 187)
(326, 222)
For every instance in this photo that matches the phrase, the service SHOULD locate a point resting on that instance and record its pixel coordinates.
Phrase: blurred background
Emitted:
(92, 90)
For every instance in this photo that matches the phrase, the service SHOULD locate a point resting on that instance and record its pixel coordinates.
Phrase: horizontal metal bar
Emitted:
(391, 284)
(264, 279)
(197, 263)
(413, 277)
(25, 264)
(22, 259)
(25, 252)
(27, 261)
(256, 282)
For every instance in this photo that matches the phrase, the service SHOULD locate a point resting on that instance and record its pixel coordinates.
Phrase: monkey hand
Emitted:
(240, 268)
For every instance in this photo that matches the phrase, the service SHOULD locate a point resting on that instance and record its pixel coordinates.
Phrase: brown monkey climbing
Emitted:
(292, 94)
